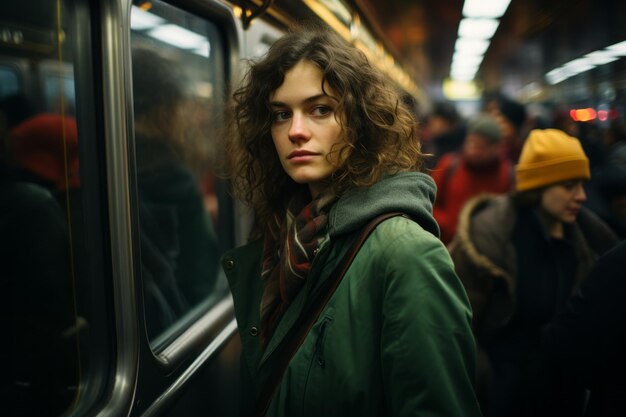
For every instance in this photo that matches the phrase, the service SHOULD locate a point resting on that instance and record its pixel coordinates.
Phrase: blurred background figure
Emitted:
(179, 250)
(512, 117)
(38, 164)
(520, 257)
(44, 150)
(443, 132)
(14, 109)
(563, 121)
(478, 168)
(607, 188)
(590, 334)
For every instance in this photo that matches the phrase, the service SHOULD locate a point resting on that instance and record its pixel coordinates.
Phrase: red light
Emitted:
(585, 115)
(603, 115)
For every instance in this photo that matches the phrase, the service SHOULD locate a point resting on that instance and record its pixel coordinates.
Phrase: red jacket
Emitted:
(457, 182)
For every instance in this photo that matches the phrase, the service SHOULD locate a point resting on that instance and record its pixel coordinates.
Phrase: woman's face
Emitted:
(562, 201)
(305, 127)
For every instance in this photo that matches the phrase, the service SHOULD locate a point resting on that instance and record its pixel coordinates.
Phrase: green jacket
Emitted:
(394, 339)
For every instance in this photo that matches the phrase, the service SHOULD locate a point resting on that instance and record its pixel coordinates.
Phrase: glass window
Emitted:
(9, 83)
(41, 212)
(178, 93)
(58, 86)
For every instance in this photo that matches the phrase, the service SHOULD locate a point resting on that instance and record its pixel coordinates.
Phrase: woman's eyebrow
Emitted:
(306, 100)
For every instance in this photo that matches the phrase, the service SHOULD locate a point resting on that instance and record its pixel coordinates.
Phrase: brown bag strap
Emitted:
(310, 317)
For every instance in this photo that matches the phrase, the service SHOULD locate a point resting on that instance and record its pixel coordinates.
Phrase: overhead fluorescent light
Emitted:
(456, 89)
(339, 9)
(477, 28)
(471, 46)
(466, 59)
(463, 70)
(461, 76)
(618, 48)
(203, 50)
(586, 63)
(463, 73)
(556, 76)
(178, 36)
(600, 57)
(142, 20)
(334, 17)
(465, 65)
(485, 8)
(577, 66)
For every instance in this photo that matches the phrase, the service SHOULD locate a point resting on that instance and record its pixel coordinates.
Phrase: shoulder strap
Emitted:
(309, 317)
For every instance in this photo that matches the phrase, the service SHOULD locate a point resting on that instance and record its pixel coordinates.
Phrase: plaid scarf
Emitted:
(289, 247)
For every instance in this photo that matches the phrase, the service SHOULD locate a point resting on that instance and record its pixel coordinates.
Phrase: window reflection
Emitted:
(38, 174)
(177, 82)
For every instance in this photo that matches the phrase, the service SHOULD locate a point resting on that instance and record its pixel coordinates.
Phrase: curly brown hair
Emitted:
(379, 130)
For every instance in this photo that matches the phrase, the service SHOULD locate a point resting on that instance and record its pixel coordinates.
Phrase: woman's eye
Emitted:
(570, 185)
(281, 116)
(322, 110)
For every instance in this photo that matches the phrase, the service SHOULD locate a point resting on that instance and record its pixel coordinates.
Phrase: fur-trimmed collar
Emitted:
(496, 214)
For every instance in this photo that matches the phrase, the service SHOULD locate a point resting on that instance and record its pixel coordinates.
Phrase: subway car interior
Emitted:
(111, 121)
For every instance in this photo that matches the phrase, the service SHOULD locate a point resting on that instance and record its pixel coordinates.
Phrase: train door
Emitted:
(112, 217)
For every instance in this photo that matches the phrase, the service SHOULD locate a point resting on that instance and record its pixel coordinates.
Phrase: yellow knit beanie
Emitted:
(550, 156)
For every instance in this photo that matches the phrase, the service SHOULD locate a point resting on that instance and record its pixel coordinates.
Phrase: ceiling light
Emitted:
(471, 46)
(458, 89)
(203, 50)
(178, 36)
(466, 59)
(485, 8)
(339, 9)
(477, 28)
(600, 57)
(463, 73)
(577, 66)
(618, 48)
(142, 20)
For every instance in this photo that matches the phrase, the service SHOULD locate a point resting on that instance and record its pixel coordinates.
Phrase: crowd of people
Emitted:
(463, 300)
(526, 209)
(493, 283)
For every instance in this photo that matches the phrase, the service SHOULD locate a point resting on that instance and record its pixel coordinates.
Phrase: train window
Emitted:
(178, 91)
(45, 321)
(58, 85)
(9, 81)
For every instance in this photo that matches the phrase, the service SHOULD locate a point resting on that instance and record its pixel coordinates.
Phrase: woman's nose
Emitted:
(580, 193)
(298, 130)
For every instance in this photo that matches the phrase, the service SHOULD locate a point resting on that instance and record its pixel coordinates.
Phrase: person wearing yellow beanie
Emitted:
(550, 156)
(520, 256)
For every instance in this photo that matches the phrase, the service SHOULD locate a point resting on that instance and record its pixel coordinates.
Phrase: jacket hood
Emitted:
(412, 193)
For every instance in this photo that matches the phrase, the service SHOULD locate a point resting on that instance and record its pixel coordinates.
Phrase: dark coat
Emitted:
(591, 333)
(516, 278)
(179, 248)
(37, 309)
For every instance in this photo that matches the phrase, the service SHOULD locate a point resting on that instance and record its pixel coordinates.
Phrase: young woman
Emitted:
(520, 257)
(321, 145)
